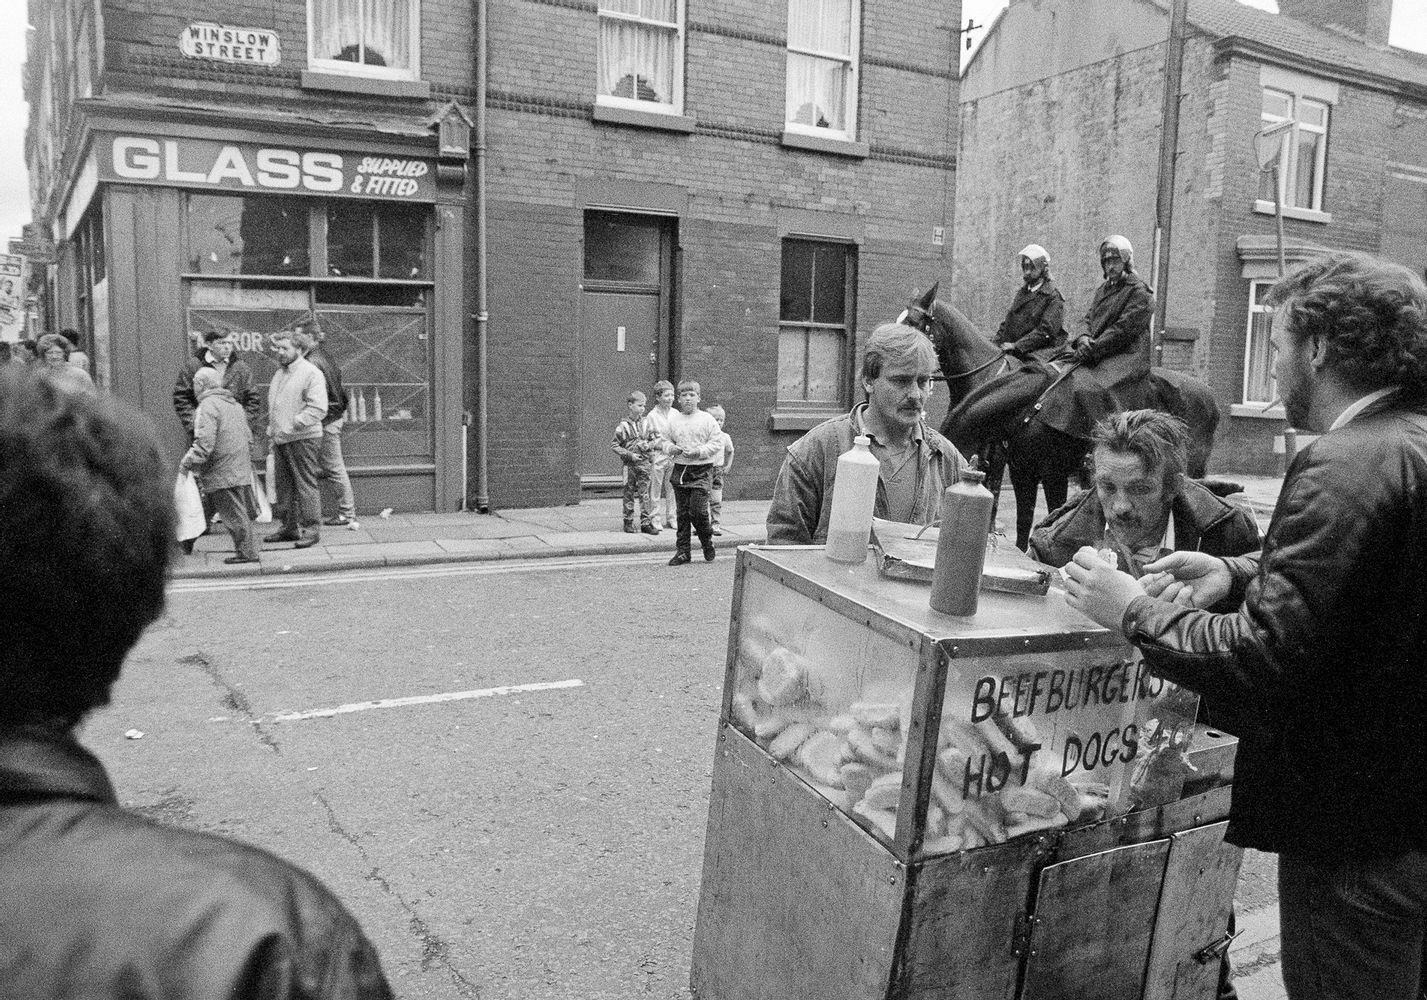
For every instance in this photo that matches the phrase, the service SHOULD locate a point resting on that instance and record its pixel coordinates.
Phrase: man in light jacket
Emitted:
(297, 402)
(219, 455)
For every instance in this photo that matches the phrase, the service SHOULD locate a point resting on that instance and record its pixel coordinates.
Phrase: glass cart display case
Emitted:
(910, 804)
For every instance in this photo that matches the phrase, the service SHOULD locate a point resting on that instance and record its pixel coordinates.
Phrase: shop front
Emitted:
(186, 230)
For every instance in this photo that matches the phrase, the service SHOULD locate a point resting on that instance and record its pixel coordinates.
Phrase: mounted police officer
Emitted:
(1033, 324)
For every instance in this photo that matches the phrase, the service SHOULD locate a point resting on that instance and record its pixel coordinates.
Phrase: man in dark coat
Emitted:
(1326, 651)
(1142, 505)
(1034, 322)
(97, 901)
(219, 351)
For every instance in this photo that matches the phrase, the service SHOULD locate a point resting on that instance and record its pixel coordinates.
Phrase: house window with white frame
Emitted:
(813, 317)
(376, 38)
(1259, 385)
(641, 54)
(821, 95)
(1303, 150)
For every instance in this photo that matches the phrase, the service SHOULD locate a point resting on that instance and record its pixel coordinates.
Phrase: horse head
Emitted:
(960, 347)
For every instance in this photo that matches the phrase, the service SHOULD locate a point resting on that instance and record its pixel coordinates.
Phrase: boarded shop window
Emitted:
(813, 323)
(1303, 150)
(821, 94)
(1259, 386)
(367, 240)
(247, 234)
(641, 54)
(367, 37)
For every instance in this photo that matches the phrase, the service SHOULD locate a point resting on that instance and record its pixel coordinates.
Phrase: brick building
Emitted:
(1060, 139)
(604, 195)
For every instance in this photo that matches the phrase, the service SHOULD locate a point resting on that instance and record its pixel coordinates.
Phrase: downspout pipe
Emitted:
(481, 316)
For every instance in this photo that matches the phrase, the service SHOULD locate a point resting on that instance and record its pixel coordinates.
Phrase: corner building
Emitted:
(736, 193)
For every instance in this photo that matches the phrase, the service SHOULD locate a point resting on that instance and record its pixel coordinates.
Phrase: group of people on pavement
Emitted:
(682, 450)
(1309, 645)
(55, 356)
(218, 405)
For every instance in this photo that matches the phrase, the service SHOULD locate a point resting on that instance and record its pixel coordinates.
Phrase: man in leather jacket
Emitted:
(97, 902)
(1327, 653)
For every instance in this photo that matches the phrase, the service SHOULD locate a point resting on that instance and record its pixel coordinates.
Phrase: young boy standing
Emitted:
(633, 442)
(663, 460)
(723, 464)
(693, 445)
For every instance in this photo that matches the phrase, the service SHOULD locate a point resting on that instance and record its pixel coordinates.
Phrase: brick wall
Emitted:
(738, 178)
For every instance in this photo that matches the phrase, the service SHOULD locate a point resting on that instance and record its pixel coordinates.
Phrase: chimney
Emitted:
(1365, 19)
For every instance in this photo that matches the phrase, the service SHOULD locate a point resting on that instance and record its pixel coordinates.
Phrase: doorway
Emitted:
(624, 328)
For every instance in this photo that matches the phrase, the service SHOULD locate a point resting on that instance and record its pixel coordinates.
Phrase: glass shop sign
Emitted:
(260, 169)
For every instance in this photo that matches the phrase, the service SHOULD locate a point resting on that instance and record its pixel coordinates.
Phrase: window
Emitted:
(376, 38)
(621, 247)
(813, 317)
(1259, 385)
(247, 234)
(365, 240)
(1303, 151)
(822, 67)
(641, 54)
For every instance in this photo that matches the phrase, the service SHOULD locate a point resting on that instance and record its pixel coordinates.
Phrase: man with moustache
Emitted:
(918, 464)
(1325, 653)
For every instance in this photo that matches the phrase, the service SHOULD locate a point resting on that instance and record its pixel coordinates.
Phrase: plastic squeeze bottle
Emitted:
(854, 494)
(961, 546)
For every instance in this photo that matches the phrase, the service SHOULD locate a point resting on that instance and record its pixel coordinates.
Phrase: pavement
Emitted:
(593, 528)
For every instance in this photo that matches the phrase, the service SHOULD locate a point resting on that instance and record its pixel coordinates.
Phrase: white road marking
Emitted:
(424, 699)
(333, 576)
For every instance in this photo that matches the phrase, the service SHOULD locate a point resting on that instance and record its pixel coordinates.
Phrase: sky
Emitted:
(1409, 30)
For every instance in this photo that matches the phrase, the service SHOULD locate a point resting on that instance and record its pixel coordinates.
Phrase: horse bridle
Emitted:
(917, 318)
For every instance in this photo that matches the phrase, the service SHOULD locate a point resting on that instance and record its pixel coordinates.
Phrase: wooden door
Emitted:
(619, 349)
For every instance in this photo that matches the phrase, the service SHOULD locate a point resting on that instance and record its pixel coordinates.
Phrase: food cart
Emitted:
(907, 804)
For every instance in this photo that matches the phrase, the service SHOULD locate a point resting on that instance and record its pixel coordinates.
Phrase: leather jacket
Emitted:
(96, 902)
(1327, 654)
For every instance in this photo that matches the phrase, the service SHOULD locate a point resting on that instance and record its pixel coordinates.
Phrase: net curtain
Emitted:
(374, 32)
(817, 87)
(637, 60)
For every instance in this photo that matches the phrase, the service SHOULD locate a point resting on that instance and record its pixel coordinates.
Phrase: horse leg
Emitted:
(1025, 478)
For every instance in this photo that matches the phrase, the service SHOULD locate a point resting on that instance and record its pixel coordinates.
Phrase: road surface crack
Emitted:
(434, 950)
(233, 699)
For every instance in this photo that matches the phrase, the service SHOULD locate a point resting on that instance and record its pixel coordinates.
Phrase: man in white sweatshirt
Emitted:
(297, 402)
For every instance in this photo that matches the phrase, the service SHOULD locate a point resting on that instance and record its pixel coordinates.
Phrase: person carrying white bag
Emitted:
(221, 439)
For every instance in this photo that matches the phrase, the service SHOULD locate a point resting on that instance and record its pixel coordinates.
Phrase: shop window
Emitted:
(1259, 386)
(377, 38)
(641, 54)
(248, 234)
(374, 240)
(821, 96)
(813, 323)
(621, 248)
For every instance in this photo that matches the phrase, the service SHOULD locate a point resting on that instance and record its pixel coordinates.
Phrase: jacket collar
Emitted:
(919, 433)
(41, 762)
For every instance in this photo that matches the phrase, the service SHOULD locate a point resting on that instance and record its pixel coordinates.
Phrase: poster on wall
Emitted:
(12, 297)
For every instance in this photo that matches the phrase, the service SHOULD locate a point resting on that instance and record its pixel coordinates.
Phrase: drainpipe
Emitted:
(1168, 156)
(483, 504)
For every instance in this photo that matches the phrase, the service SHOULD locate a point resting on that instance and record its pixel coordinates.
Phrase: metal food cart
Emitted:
(879, 824)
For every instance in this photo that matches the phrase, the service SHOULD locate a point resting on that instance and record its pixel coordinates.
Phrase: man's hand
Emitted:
(1097, 590)
(1193, 579)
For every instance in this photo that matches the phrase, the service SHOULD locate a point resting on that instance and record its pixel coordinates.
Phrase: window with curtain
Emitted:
(641, 54)
(813, 317)
(1303, 151)
(822, 67)
(1259, 386)
(366, 37)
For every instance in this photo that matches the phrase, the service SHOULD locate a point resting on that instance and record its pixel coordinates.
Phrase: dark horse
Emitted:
(1036, 453)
